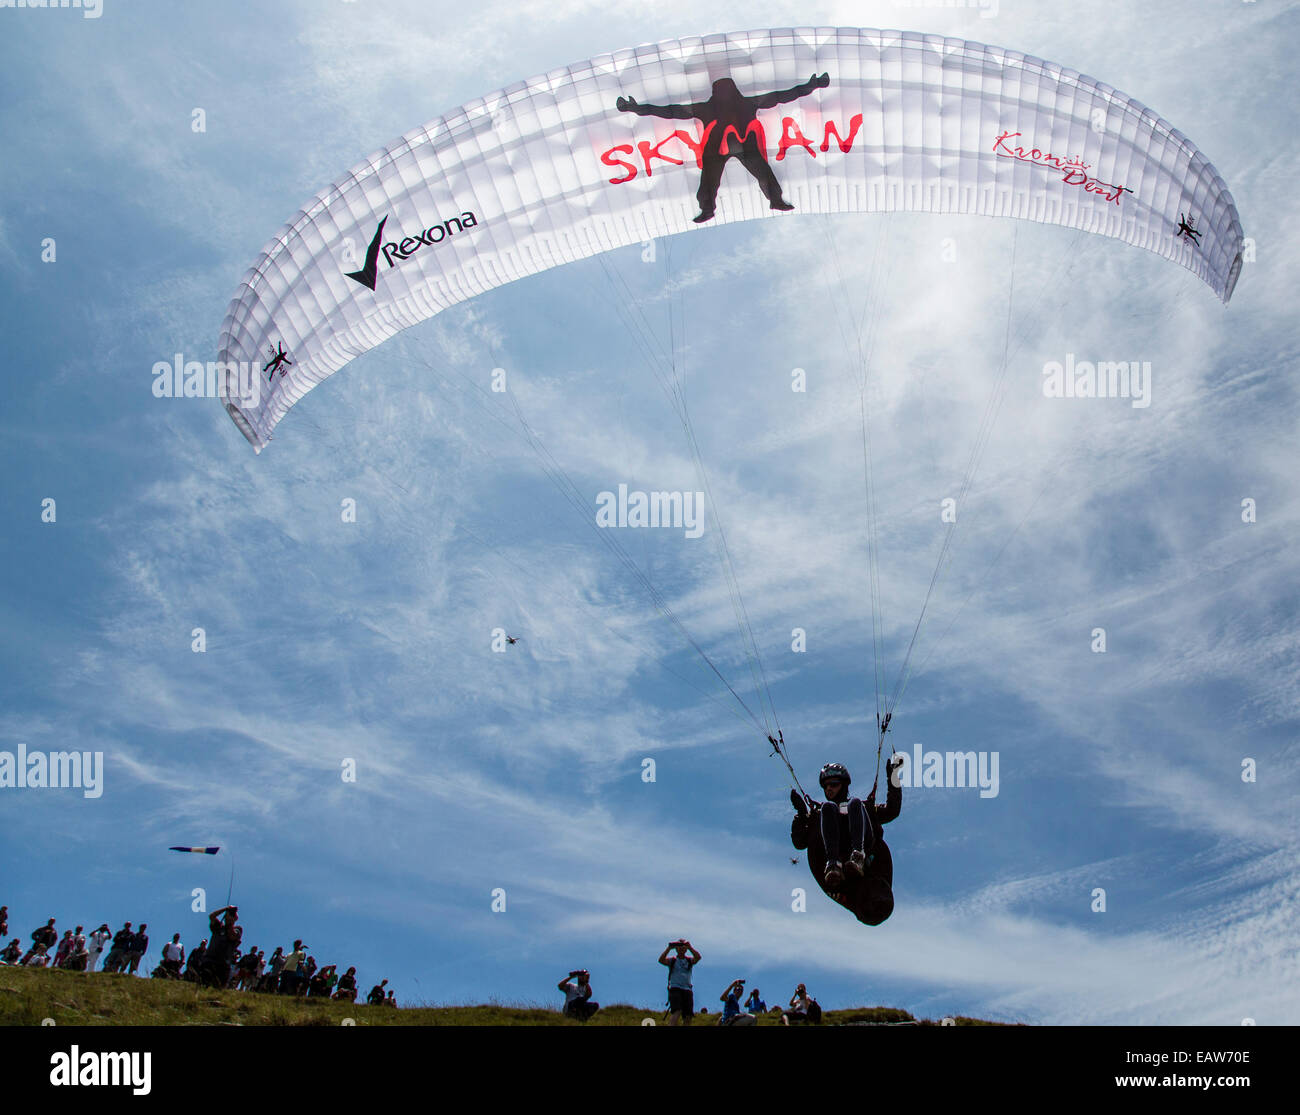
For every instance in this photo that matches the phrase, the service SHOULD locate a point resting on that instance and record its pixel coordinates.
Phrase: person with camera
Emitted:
(732, 1015)
(224, 936)
(577, 996)
(294, 973)
(681, 997)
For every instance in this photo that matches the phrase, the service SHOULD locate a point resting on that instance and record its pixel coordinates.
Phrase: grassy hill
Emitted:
(29, 995)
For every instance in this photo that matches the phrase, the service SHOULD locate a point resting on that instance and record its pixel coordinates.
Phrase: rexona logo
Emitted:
(395, 251)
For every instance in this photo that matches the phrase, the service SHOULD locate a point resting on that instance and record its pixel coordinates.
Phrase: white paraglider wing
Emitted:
(554, 169)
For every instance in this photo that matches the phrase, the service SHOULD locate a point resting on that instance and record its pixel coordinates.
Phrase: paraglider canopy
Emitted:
(549, 170)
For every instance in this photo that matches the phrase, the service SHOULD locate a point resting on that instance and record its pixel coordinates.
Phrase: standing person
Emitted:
(259, 969)
(47, 935)
(577, 996)
(681, 998)
(95, 945)
(116, 958)
(271, 980)
(139, 946)
(64, 950)
(224, 936)
(173, 956)
(250, 969)
(77, 955)
(290, 974)
(4, 921)
(305, 975)
(243, 972)
(236, 957)
(194, 965)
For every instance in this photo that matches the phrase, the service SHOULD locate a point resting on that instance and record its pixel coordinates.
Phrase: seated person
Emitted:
(847, 853)
(577, 996)
(732, 1015)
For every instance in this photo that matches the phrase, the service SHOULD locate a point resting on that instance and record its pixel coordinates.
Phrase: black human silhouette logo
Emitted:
(1187, 229)
(278, 358)
(731, 131)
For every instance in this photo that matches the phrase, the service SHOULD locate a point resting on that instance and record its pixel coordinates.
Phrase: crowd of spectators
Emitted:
(218, 961)
(221, 961)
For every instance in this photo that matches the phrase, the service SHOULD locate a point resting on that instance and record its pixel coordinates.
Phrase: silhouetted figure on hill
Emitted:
(139, 946)
(347, 986)
(95, 945)
(116, 959)
(577, 995)
(194, 965)
(224, 936)
(681, 993)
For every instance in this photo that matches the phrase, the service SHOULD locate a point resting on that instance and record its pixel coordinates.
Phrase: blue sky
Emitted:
(371, 641)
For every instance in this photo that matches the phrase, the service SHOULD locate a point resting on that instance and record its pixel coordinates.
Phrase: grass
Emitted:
(30, 995)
